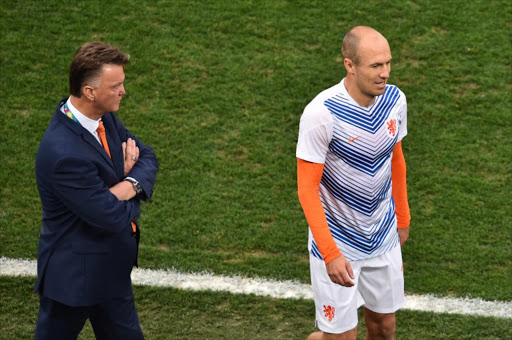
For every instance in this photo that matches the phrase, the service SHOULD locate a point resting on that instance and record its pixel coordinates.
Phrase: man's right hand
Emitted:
(123, 190)
(340, 271)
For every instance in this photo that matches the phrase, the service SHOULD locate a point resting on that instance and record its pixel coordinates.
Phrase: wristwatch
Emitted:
(136, 185)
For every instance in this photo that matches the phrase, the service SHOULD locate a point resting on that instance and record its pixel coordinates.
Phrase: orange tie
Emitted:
(103, 139)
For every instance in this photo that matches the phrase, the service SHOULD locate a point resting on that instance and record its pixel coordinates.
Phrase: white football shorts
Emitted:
(378, 285)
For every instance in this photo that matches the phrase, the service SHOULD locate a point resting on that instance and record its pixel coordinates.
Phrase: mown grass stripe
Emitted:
(274, 289)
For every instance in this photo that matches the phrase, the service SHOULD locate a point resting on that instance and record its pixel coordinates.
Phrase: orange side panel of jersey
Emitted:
(399, 192)
(308, 183)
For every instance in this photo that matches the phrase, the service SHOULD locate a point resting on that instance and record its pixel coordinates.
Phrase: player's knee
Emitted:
(388, 330)
(382, 330)
(314, 336)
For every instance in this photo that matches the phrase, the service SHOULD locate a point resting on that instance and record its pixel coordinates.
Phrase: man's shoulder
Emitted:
(58, 140)
(317, 105)
(395, 91)
(61, 134)
(60, 125)
(327, 93)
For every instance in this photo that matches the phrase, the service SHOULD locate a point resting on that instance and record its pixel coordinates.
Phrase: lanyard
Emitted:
(68, 113)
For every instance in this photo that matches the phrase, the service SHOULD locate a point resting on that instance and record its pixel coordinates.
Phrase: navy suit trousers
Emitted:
(111, 320)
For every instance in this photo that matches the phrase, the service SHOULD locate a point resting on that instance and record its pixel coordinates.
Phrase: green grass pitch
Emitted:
(217, 88)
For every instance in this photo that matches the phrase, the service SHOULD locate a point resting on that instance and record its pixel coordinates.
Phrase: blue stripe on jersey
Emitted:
(364, 162)
(315, 251)
(368, 120)
(358, 240)
(366, 205)
(358, 243)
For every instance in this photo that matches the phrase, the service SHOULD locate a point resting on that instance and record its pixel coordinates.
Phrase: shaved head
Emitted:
(353, 40)
(367, 59)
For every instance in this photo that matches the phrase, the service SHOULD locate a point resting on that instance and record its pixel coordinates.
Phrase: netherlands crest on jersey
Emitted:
(392, 127)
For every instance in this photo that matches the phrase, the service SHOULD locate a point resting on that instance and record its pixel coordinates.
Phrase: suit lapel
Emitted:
(86, 135)
(96, 145)
(114, 144)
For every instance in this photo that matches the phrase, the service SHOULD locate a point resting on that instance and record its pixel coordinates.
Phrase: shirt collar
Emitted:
(345, 92)
(89, 124)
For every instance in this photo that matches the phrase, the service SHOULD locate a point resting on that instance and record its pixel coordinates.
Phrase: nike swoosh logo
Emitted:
(353, 139)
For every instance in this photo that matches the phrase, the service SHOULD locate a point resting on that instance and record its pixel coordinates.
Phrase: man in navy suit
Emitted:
(91, 174)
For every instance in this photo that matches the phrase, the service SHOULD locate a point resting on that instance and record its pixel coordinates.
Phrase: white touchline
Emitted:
(274, 289)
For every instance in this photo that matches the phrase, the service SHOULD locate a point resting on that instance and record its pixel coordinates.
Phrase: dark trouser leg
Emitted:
(116, 319)
(57, 321)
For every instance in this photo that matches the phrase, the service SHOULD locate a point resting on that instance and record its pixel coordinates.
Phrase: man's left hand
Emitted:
(131, 155)
(403, 233)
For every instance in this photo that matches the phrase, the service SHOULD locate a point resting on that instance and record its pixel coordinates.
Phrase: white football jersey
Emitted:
(356, 144)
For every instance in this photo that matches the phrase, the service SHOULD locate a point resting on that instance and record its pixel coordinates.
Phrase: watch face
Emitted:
(138, 188)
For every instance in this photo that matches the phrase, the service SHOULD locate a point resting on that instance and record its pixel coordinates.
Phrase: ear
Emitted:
(88, 92)
(349, 65)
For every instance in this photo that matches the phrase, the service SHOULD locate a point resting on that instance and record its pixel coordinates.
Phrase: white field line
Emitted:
(274, 289)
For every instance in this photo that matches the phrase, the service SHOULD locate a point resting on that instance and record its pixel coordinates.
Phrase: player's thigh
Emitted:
(335, 305)
(381, 282)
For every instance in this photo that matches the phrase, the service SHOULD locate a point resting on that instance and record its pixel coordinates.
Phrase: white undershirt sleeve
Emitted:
(315, 133)
(402, 130)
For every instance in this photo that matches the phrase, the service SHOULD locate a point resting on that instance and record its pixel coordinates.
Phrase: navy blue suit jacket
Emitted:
(87, 247)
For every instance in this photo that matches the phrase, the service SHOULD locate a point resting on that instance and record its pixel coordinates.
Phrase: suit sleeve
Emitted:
(145, 170)
(77, 183)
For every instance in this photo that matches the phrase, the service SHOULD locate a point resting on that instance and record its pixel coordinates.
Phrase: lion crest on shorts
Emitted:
(329, 312)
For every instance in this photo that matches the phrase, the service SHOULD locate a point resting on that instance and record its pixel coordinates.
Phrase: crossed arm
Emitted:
(124, 190)
(140, 163)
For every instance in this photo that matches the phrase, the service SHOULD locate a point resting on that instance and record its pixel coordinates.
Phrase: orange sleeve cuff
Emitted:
(308, 183)
(399, 187)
